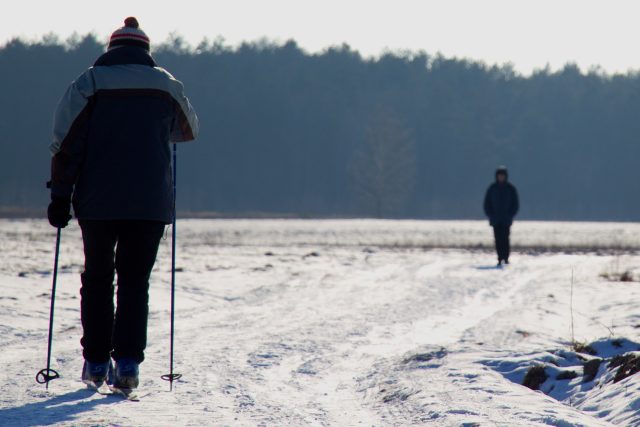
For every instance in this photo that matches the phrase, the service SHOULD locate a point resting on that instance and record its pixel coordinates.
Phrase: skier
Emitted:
(111, 155)
(501, 205)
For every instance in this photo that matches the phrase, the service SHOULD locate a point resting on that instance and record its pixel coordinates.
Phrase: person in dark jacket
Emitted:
(111, 159)
(501, 205)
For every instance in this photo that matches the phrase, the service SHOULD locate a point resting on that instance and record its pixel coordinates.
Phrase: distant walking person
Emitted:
(501, 205)
(111, 155)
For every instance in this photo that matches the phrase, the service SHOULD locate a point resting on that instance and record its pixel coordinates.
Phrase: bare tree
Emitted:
(383, 169)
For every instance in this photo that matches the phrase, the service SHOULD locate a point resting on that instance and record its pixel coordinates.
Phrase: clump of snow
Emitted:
(587, 381)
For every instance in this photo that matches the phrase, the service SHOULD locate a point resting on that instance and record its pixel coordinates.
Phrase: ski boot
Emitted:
(95, 374)
(126, 374)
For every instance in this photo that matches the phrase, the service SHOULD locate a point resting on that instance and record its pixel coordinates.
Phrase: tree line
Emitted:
(404, 135)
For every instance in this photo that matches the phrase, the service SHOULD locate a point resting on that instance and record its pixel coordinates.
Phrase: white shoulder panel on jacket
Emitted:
(70, 106)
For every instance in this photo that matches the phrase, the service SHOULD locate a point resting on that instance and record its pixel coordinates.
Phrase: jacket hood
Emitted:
(502, 170)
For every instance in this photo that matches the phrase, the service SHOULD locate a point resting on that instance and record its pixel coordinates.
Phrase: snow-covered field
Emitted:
(345, 322)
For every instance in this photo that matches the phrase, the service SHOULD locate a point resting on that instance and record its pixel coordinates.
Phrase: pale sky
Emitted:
(527, 33)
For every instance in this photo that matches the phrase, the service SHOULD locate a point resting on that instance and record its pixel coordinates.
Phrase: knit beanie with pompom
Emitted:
(129, 35)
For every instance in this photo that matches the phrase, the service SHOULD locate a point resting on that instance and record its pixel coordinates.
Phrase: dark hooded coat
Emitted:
(501, 202)
(112, 132)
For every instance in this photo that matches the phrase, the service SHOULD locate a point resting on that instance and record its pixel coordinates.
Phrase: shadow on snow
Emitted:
(488, 267)
(51, 411)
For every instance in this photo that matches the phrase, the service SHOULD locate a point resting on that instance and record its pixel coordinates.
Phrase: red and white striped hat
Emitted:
(129, 35)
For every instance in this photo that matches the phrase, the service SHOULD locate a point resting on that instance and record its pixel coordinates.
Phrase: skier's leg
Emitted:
(496, 237)
(507, 243)
(504, 243)
(137, 249)
(96, 304)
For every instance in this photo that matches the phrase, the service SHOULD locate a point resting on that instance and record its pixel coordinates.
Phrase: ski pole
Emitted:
(48, 374)
(171, 376)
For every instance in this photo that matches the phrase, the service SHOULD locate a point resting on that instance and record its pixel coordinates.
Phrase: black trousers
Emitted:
(128, 247)
(501, 235)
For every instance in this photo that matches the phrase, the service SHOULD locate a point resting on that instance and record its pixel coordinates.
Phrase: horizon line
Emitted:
(209, 44)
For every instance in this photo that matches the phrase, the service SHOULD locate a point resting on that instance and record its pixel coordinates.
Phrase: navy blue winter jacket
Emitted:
(112, 134)
(501, 204)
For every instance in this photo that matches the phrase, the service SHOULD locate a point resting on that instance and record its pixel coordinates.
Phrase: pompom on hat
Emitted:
(129, 35)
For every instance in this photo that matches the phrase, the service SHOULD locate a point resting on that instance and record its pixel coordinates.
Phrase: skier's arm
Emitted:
(488, 209)
(515, 204)
(186, 125)
(70, 128)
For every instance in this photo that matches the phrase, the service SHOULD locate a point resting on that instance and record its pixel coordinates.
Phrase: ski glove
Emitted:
(59, 211)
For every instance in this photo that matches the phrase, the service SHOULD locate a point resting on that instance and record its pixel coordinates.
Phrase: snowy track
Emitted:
(316, 333)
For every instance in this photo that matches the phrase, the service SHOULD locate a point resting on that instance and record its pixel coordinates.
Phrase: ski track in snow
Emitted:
(315, 334)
